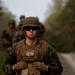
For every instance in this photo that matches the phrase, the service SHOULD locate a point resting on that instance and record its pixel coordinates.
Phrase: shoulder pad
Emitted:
(20, 44)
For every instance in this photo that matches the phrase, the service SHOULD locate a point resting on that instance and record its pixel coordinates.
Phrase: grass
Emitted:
(2, 54)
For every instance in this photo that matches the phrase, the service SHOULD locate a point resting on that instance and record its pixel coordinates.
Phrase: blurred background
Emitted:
(58, 17)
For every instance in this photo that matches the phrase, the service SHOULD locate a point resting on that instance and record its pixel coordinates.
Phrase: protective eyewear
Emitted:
(28, 28)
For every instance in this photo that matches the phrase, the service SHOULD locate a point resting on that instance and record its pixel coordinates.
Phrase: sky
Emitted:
(36, 8)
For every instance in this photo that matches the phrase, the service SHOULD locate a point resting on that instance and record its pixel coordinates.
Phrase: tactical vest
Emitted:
(31, 54)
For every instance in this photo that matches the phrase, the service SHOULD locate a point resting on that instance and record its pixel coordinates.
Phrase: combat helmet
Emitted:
(12, 21)
(22, 17)
(31, 21)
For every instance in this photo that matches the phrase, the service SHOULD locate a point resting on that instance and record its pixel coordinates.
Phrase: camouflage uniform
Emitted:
(7, 35)
(42, 30)
(19, 35)
(46, 54)
(22, 17)
(51, 58)
(10, 60)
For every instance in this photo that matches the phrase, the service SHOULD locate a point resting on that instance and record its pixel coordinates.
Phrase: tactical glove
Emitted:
(20, 65)
(39, 65)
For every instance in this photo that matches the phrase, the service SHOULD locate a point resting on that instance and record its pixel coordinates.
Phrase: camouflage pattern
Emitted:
(34, 21)
(10, 59)
(19, 26)
(7, 36)
(19, 35)
(22, 17)
(31, 21)
(8, 33)
(50, 58)
(42, 31)
(42, 51)
(12, 21)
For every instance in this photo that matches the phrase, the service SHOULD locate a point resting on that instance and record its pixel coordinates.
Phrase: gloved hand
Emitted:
(20, 65)
(39, 65)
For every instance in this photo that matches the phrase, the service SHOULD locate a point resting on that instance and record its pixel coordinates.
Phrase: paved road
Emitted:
(68, 63)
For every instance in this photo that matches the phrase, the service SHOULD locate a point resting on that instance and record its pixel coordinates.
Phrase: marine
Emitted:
(33, 56)
(19, 35)
(8, 34)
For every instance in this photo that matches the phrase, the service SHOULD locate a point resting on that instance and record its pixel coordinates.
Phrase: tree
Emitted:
(5, 16)
(60, 21)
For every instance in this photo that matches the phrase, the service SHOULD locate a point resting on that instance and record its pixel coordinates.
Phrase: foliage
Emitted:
(5, 16)
(2, 54)
(61, 34)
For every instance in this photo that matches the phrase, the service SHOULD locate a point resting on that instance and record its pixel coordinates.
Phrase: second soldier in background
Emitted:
(8, 34)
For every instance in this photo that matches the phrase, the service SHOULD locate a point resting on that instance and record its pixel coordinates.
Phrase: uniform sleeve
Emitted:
(10, 60)
(55, 66)
(15, 38)
(6, 41)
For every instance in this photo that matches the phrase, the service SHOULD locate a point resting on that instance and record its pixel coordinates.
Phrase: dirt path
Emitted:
(68, 63)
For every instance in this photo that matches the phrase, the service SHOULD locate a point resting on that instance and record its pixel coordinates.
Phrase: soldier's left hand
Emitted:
(39, 65)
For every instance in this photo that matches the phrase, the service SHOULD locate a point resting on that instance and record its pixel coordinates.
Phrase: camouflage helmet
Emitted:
(22, 17)
(12, 21)
(31, 21)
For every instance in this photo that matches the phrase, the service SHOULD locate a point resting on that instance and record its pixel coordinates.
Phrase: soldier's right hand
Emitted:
(20, 65)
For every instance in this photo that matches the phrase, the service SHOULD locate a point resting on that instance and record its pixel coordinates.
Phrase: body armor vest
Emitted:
(31, 54)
